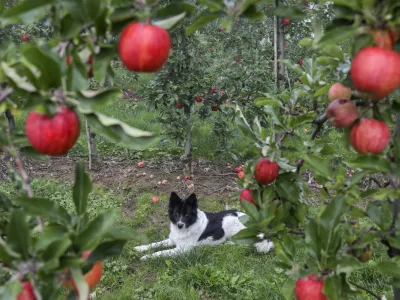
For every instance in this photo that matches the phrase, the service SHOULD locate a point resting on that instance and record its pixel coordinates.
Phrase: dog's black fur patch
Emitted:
(184, 210)
(214, 227)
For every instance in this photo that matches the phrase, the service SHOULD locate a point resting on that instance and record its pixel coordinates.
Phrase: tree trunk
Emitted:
(279, 40)
(94, 157)
(186, 158)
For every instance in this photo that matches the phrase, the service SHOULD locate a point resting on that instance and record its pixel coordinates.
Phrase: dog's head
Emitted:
(182, 213)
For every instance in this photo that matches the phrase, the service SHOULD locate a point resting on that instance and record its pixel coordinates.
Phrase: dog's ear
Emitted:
(174, 199)
(192, 201)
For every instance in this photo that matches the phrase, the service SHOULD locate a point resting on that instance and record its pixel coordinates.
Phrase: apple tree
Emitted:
(48, 251)
(339, 234)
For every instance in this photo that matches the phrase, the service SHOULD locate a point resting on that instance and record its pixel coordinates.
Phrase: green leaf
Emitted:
(7, 255)
(389, 268)
(288, 289)
(262, 101)
(106, 250)
(93, 8)
(250, 210)
(89, 99)
(18, 80)
(70, 27)
(322, 91)
(347, 264)
(174, 9)
(201, 21)
(303, 119)
(333, 288)
(118, 132)
(333, 212)
(50, 71)
(170, 22)
(125, 233)
(334, 51)
(18, 233)
(305, 42)
(80, 282)
(319, 166)
(121, 17)
(212, 5)
(96, 230)
(10, 290)
(51, 233)
(336, 35)
(42, 207)
(369, 163)
(287, 188)
(53, 252)
(82, 188)
(295, 67)
(19, 13)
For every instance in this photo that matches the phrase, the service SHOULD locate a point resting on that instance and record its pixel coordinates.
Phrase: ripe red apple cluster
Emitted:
(375, 73)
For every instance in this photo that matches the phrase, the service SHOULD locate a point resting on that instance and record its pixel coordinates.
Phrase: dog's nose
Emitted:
(180, 225)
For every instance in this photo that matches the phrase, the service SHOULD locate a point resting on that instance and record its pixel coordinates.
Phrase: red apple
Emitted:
(376, 72)
(212, 49)
(228, 101)
(198, 99)
(214, 108)
(241, 175)
(266, 171)
(222, 92)
(300, 62)
(26, 37)
(144, 47)
(27, 292)
(222, 29)
(140, 164)
(129, 91)
(69, 60)
(54, 135)
(92, 277)
(339, 91)
(238, 19)
(179, 105)
(309, 288)
(245, 195)
(155, 199)
(370, 136)
(286, 21)
(342, 113)
(201, 51)
(186, 178)
(286, 45)
(213, 90)
(237, 170)
(238, 59)
(384, 38)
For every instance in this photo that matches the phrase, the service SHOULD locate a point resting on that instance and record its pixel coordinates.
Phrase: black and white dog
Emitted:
(192, 227)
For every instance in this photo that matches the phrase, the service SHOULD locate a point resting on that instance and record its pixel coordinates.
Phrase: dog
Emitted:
(190, 227)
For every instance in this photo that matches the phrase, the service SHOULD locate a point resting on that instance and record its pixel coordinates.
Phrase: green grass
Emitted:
(221, 272)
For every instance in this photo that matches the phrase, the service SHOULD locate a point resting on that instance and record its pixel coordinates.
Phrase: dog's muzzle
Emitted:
(180, 225)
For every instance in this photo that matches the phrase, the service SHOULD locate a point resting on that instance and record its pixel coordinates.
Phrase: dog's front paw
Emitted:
(264, 246)
(141, 248)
